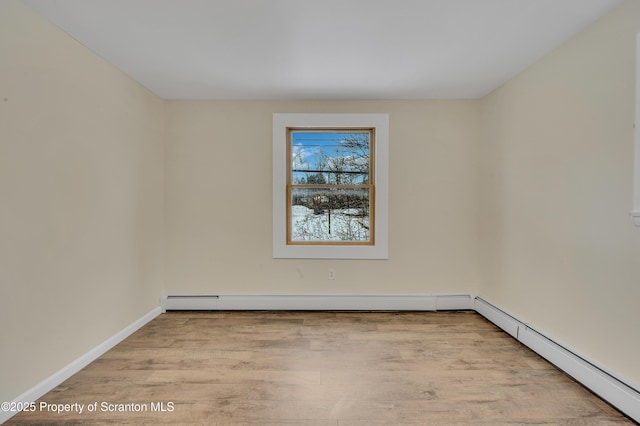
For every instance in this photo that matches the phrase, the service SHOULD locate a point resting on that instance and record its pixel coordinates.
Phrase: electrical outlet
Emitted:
(332, 274)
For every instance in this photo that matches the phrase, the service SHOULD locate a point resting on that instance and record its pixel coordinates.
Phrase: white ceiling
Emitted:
(321, 49)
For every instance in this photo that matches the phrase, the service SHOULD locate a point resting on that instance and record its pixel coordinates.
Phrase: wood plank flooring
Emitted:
(322, 368)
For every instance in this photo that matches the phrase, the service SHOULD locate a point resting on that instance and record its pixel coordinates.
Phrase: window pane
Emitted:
(330, 157)
(330, 214)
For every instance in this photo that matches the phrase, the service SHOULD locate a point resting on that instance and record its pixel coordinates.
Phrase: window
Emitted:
(330, 185)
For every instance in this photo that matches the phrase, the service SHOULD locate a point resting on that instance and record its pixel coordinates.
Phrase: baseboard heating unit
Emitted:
(317, 302)
(613, 390)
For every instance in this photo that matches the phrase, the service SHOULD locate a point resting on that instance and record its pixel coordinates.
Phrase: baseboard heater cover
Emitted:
(192, 302)
(618, 393)
(497, 316)
(317, 302)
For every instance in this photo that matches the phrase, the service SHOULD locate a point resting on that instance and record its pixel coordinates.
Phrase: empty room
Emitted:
(341, 212)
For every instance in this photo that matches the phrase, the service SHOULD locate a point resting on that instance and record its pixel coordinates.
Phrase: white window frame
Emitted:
(281, 122)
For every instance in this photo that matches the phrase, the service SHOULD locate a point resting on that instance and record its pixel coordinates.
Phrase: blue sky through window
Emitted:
(310, 148)
(329, 153)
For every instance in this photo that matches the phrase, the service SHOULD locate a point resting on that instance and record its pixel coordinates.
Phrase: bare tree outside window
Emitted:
(330, 186)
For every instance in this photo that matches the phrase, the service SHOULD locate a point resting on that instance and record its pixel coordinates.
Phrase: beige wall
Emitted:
(81, 190)
(219, 202)
(559, 250)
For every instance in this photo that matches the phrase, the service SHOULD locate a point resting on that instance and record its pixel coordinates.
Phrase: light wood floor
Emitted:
(324, 368)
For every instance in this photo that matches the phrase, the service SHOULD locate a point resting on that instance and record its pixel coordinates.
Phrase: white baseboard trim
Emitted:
(622, 396)
(72, 368)
(317, 302)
